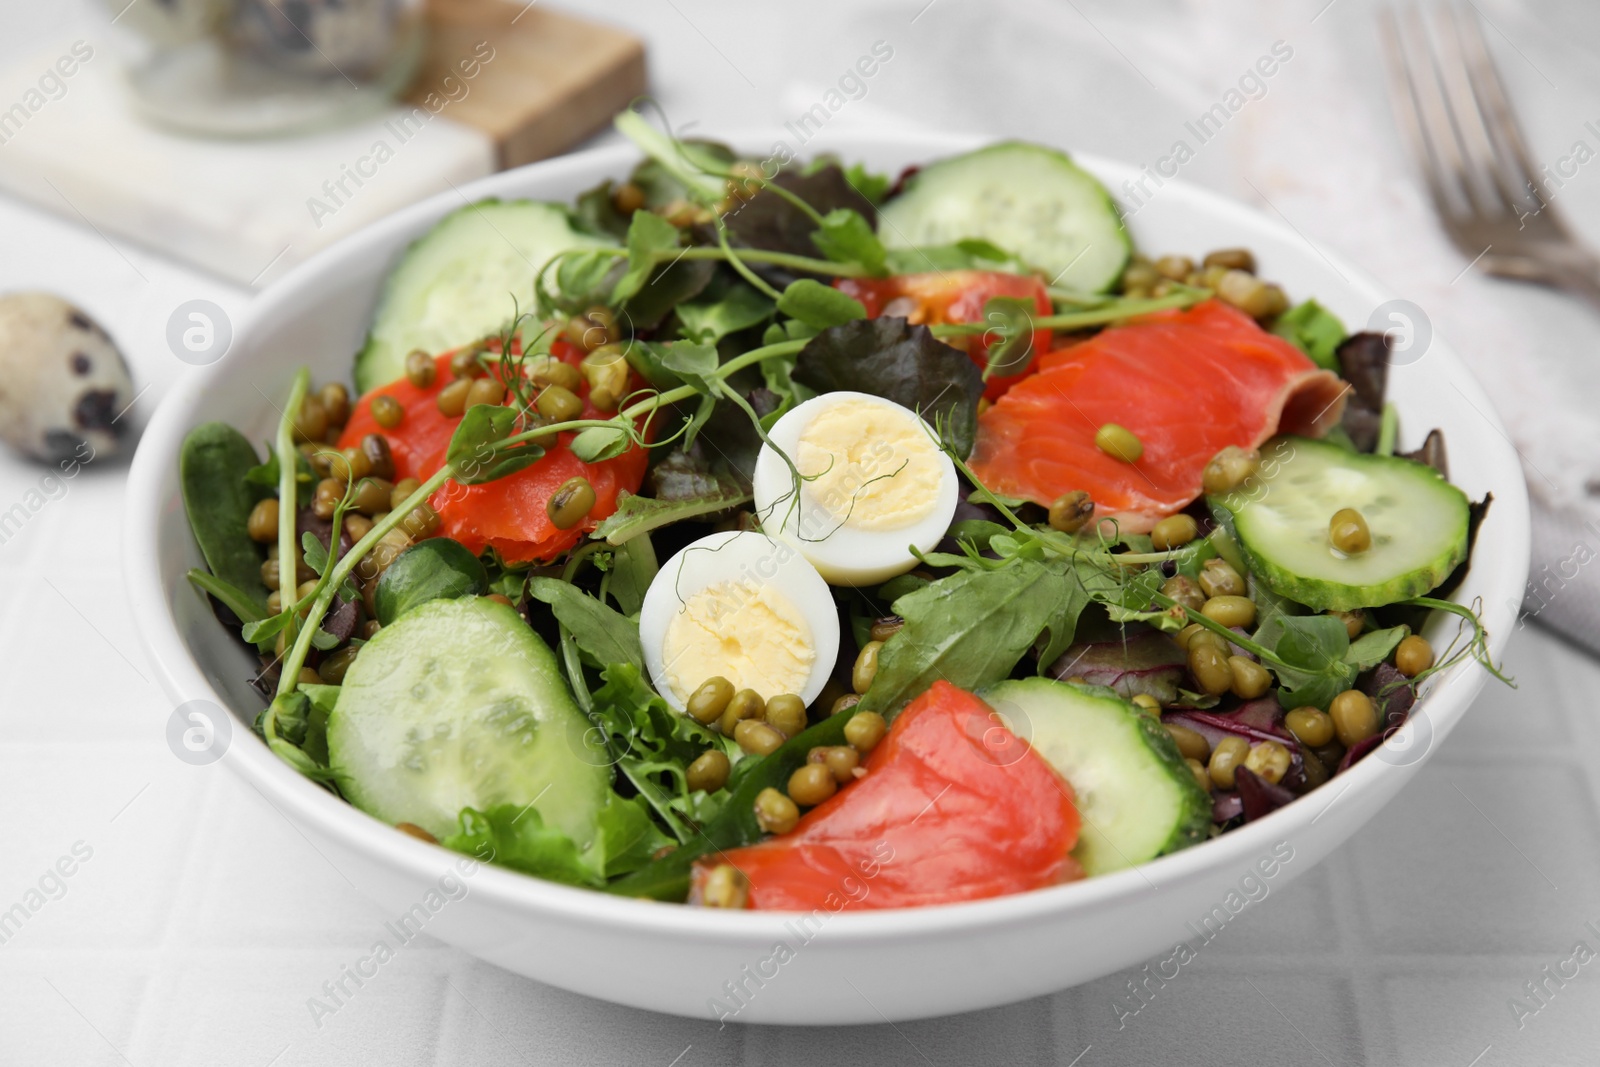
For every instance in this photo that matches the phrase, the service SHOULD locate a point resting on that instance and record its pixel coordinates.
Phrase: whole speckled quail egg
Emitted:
(62, 380)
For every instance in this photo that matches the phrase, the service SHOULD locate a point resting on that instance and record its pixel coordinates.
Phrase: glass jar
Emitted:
(256, 68)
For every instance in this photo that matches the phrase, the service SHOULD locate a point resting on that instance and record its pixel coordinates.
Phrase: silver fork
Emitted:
(1452, 106)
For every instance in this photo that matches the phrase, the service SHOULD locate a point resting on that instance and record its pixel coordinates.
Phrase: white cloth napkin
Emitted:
(1318, 146)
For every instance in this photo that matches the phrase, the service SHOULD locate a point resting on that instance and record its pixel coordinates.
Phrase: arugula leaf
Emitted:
(648, 235)
(970, 629)
(1061, 629)
(890, 358)
(1131, 598)
(819, 305)
(846, 237)
(604, 635)
(1312, 641)
(738, 308)
(1314, 330)
(475, 451)
(633, 567)
(515, 836)
(1268, 603)
(1371, 649)
(636, 515)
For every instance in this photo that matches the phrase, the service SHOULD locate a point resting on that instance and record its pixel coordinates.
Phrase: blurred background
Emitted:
(197, 155)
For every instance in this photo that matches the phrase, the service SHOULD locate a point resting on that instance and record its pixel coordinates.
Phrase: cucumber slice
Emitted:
(1136, 796)
(456, 283)
(1280, 518)
(459, 704)
(1027, 199)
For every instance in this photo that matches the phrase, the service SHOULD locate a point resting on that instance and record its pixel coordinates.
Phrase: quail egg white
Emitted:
(873, 485)
(742, 606)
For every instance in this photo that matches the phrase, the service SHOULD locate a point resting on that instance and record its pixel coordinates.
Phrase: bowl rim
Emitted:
(293, 795)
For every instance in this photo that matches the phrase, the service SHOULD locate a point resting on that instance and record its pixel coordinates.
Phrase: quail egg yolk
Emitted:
(745, 631)
(871, 466)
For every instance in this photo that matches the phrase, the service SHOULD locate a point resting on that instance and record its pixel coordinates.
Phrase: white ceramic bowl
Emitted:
(846, 968)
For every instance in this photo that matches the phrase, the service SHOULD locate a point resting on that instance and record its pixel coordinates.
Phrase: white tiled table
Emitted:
(202, 921)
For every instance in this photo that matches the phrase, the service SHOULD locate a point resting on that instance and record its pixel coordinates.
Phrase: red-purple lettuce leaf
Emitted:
(1260, 797)
(1148, 662)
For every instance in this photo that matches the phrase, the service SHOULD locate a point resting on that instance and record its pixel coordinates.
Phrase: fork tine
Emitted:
(1493, 187)
(1499, 119)
(1409, 113)
(1428, 122)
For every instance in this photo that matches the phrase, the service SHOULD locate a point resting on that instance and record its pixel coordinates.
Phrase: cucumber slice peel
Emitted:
(1279, 516)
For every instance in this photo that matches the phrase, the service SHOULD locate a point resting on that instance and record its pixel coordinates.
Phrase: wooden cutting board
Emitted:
(248, 210)
(552, 81)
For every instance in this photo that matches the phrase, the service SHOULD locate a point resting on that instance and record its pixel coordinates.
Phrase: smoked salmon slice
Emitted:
(944, 813)
(509, 514)
(1187, 383)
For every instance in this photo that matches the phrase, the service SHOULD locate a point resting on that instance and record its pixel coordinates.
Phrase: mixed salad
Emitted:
(825, 539)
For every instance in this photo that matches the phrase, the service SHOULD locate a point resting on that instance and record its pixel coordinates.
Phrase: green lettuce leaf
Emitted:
(515, 836)
(1314, 330)
(656, 746)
